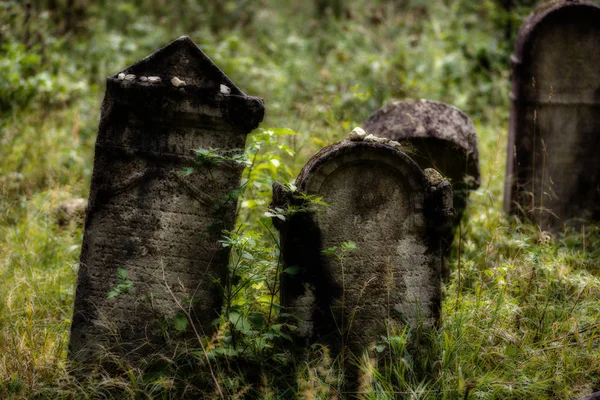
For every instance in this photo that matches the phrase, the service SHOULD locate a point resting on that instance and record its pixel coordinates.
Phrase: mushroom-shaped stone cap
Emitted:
(435, 129)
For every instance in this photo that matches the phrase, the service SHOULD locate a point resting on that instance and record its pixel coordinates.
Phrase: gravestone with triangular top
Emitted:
(151, 254)
(553, 168)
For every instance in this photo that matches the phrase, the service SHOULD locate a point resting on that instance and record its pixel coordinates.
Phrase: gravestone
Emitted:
(553, 169)
(151, 232)
(441, 137)
(383, 202)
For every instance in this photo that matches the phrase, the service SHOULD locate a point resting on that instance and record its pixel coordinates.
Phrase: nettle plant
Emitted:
(249, 322)
(248, 325)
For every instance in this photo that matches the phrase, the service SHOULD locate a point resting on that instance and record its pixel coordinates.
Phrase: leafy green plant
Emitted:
(123, 284)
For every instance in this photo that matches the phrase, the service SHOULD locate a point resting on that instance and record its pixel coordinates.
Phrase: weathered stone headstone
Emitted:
(381, 200)
(441, 136)
(553, 168)
(151, 233)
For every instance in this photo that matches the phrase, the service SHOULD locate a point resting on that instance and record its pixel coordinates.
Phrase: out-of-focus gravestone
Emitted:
(151, 232)
(441, 136)
(382, 203)
(553, 168)
(593, 396)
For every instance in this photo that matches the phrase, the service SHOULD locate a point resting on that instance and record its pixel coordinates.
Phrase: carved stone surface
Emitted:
(382, 201)
(553, 168)
(147, 219)
(441, 137)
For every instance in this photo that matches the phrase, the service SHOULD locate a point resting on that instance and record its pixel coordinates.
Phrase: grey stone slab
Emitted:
(148, 219)
(382, 201)
(553, 170)
(439, 136)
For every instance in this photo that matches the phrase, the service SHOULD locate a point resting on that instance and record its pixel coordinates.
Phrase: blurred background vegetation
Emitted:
(521, 307)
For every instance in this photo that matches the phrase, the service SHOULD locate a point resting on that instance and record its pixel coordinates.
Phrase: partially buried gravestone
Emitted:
(370, 260)
(553, 168)
(151, 232)
(441, 137)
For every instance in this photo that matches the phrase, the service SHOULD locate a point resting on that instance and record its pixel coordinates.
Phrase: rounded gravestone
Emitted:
(553, 169)
(441, 137)
(371, 258)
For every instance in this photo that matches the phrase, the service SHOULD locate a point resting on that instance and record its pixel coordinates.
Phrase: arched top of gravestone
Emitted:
(410, 119)
(331, 158)
(553, 12)
(180, 79)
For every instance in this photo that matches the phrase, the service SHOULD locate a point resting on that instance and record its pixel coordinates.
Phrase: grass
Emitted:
(520, 310)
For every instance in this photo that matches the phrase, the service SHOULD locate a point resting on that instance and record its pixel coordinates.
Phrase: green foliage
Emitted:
(215, 157)
(24, 78)
(123, 284)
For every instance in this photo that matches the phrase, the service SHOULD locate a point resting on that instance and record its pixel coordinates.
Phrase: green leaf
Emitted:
(121, 273)
(256, 320)
(186, 171)
(239, 322)
(180, 322)
(293, 270)
(226, 351)
(349, 245)
(329, 251)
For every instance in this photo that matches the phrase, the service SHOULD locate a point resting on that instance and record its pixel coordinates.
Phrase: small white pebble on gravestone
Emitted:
(433, 176)
(370, 138)
(358, 134)
(225, 89)
(129, 77)
(121, 76)
(395, 144)
(382, 140)
(175, 81)
(143, 78)
(154, 79)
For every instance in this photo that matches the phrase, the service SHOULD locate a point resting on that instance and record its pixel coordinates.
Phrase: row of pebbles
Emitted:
(175, 81)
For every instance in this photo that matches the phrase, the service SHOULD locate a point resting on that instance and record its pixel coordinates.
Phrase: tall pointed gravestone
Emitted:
(553, 168)
(151, 233)
(441, 137)
(370, 260)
